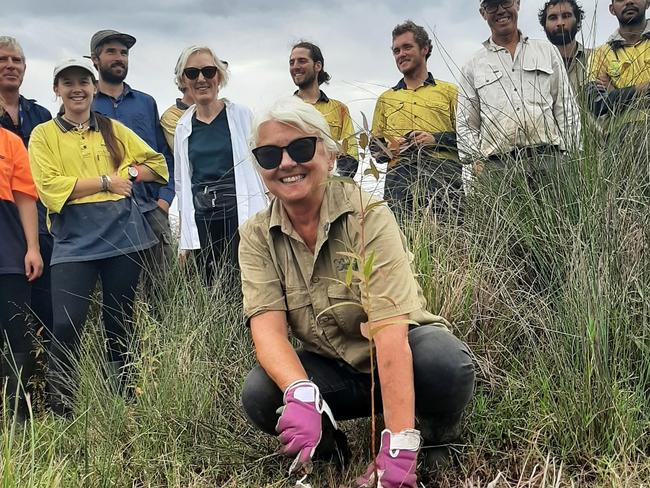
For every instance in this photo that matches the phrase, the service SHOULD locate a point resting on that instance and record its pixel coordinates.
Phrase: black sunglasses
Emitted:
(208, 72)
(492, 6)
(300, 150)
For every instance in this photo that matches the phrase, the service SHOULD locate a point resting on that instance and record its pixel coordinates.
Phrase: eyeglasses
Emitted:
(300, 150)
(208, 72)
(492, 6)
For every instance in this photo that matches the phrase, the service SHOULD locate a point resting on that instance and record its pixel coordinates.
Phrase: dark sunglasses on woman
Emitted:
(208, 72)
(300, 150)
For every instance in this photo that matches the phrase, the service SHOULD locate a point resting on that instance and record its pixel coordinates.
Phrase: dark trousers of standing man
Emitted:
(73, 285)
(443, 379)
(423, 181)
(158, 259)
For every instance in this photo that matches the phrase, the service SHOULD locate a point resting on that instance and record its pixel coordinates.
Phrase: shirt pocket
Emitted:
(536, 80)
(490, 90)
(336, 129)
(299, 313)
(345, 308)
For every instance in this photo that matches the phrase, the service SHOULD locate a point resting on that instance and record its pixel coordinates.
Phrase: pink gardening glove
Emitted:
(299, 426)
(396, 461)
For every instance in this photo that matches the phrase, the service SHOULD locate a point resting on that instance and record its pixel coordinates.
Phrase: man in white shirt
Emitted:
(515, 99)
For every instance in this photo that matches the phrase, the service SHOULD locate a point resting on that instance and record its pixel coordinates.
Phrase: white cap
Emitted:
(82, 63)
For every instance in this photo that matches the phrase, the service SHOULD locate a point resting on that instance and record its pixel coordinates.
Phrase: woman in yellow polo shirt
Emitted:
(294, 259)
(83, 165)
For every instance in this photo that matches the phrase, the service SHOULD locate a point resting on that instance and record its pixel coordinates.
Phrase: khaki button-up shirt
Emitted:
(506, 103)
(280, 273)
(578, 69)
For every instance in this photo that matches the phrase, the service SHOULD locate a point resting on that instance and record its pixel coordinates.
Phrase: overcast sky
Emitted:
(255, 36)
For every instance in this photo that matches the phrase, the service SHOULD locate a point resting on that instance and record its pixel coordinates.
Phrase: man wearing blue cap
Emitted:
(138, 111)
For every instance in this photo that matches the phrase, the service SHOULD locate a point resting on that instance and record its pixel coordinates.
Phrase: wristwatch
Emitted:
(134, 174)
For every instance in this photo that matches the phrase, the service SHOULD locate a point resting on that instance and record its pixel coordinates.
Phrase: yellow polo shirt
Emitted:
(279, 273)
(625, 64)
(338, 118)
(429, 108)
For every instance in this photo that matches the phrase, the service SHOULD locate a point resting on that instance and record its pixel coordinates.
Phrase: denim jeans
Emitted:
(443, 376)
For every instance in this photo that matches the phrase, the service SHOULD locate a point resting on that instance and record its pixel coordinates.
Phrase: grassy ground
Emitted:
(551, 289)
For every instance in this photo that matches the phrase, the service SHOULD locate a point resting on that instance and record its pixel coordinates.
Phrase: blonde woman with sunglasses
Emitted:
(217, 186)
(295, 257)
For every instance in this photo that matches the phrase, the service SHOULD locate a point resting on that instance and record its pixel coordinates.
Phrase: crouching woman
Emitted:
(294, 266)
(83, 165)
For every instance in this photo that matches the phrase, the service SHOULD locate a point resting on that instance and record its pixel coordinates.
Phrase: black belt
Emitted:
(525, 152)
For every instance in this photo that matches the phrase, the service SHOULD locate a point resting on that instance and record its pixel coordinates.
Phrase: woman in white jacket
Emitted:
(217, 185)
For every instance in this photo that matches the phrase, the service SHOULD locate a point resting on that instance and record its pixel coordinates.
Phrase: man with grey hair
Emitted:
(20, 116)
(515, 104)
(139, 112)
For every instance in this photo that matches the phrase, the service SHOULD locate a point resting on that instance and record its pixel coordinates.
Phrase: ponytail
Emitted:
(113, 145)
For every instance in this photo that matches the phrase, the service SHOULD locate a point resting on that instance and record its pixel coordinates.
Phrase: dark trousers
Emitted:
(157, 259)
(423, 182)
(15, 324)
(219, 238)
(72, 288)
(443, 377)
(42, 287)
(536, 164)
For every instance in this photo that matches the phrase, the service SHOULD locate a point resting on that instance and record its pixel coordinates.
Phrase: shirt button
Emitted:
(315, 279)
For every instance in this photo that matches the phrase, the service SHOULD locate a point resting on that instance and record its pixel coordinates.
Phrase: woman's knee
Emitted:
(443, 369)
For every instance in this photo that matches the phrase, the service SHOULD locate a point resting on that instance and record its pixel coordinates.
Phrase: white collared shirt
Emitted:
(505, 103)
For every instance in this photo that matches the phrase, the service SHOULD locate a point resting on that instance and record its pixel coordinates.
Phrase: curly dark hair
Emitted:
(578, 13)
(316, 57)
(419, 33)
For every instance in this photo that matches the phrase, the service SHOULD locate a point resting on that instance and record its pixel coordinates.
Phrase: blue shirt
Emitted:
(139, 112)
(30, 114)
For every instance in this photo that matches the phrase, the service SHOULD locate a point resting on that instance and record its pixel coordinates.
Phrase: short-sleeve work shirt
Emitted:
(279, 273)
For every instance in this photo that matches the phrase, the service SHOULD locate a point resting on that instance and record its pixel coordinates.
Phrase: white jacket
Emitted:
(250, 190)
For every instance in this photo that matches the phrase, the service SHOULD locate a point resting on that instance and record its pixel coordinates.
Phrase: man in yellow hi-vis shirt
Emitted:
(619, 70)
(306, 66)
(416, 121)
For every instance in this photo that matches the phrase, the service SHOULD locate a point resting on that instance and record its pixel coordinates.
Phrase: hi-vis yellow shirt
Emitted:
(625, 64)
(338, 118)
(429, 108)
(60, 154)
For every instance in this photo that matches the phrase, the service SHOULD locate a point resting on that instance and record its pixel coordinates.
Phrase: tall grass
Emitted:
(549, 286)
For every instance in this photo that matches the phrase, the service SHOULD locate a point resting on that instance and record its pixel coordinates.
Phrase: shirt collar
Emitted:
(335, 204)
(25, 103)
(492, 46)
(321, 97)
(401, 84)
(66, 126)
(181, 105)
(126, 91)
(617, 41)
